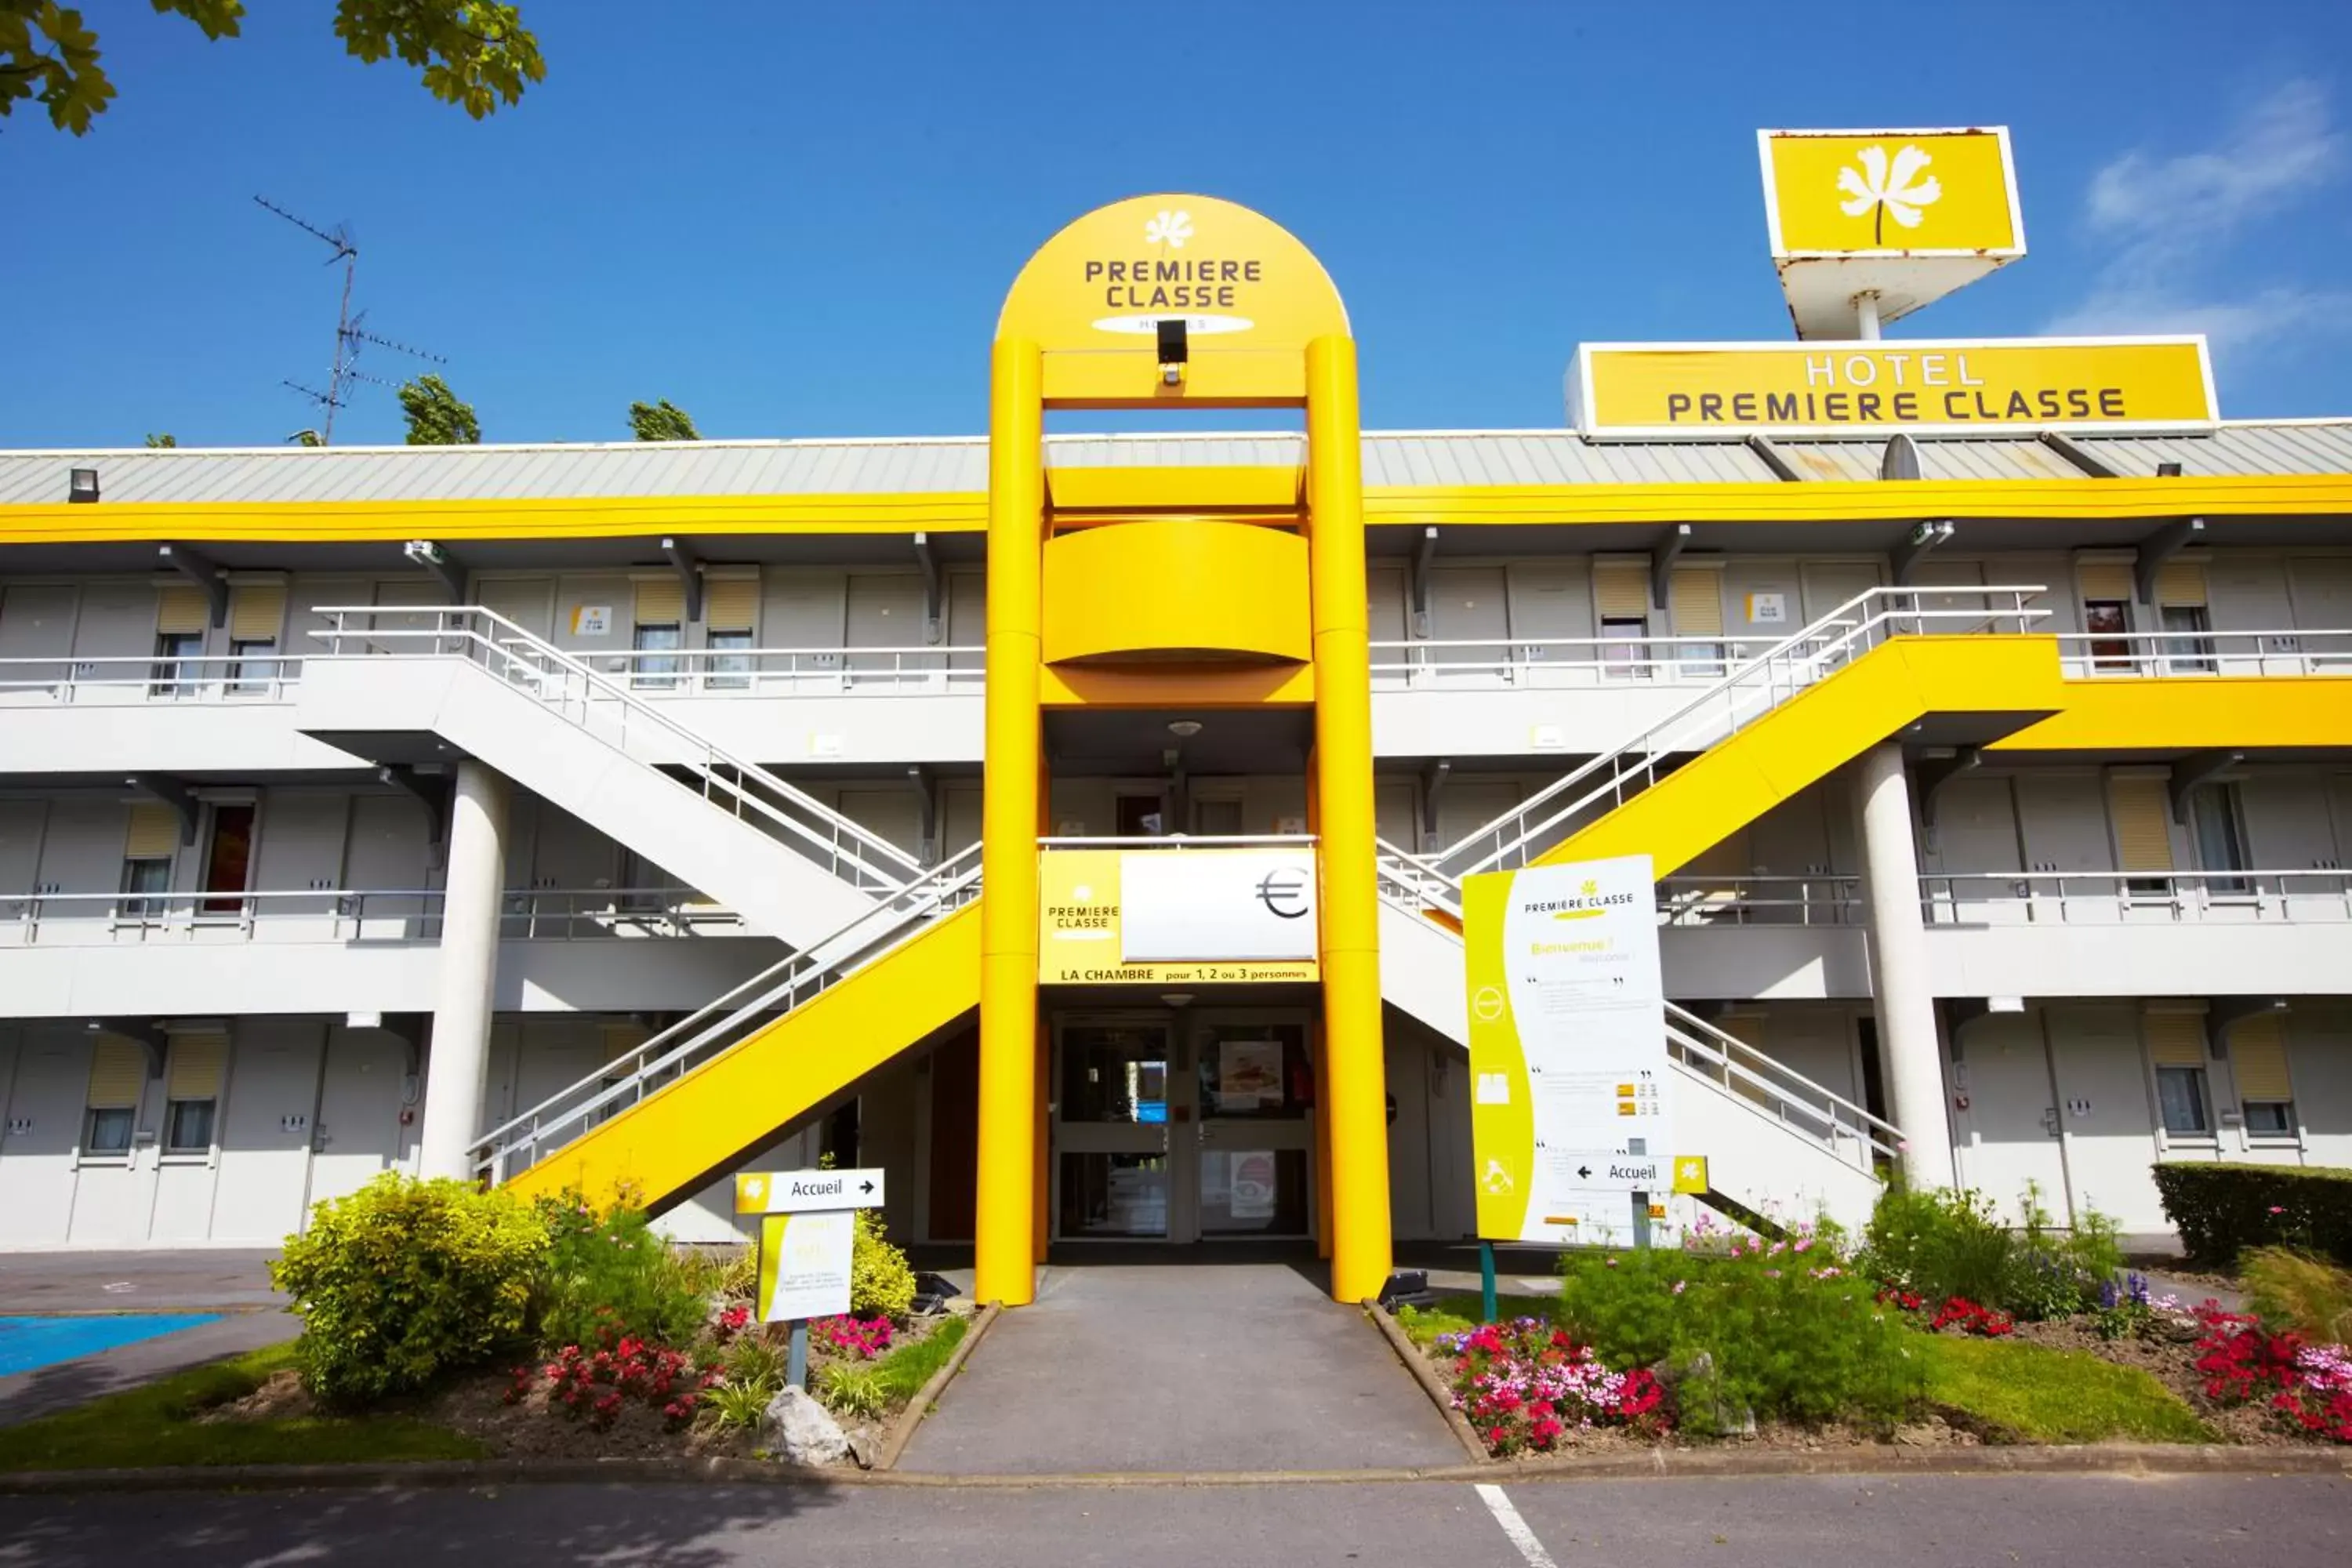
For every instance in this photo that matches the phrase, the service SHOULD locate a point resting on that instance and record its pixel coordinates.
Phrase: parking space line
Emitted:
(1515, 1527)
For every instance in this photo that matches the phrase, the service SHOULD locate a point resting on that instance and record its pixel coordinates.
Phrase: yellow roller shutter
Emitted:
(2180, 583)
(2143, 829)
(153, 833)
(2257, 1056)
(193, 1071)
(1621, 590)
(256, 612)
(1699, 602)
(2104, 580)
(2177, 1039)
(661, 602)
(731, 604)
(117, 1072)
(180, 608)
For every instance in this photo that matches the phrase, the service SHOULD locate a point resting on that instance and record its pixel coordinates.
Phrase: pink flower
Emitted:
(2276, 1209)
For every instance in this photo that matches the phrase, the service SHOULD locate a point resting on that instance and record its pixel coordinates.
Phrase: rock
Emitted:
(800, 1431)
(864, 1447)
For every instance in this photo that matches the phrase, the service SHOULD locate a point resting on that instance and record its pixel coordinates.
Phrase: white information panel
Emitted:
(1572, 1099)
(804, 1262)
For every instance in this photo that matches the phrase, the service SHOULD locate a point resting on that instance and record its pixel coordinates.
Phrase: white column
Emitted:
(457, 1072)
(1865, 317)
(1910, 1056)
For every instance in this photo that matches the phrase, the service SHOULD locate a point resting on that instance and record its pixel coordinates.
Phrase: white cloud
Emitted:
(2172, 219)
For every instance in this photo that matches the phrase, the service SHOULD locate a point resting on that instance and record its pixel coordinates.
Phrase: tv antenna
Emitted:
(351, 332)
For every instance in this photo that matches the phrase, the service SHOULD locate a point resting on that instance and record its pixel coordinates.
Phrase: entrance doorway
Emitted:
(1183, 1127)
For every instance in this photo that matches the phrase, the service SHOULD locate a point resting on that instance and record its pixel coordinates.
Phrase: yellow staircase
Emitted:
(686, 1133)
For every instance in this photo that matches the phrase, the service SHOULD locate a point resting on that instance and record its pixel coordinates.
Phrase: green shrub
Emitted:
(880, 1281)
(740, 1406)
(1788, 1331)
(1937, 1245)
(2301, 1292)
(2220, 1210)
(607, 1277)
(753, 1360)
(405, 1280)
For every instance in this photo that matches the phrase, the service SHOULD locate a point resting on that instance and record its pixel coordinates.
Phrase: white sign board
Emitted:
(1232, 905)
(800, 1192)
(1570, 1092)
(804, 1260)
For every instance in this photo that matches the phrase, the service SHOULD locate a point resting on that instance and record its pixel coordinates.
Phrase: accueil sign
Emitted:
(1931, 386)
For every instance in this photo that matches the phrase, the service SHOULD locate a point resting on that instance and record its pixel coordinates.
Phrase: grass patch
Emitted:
(2037, 1394)
(904, 1371)
(156, 1425)
(1457, 1313)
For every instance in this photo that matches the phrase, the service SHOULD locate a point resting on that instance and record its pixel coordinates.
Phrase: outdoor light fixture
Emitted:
(424, 551)
(1177, 998)
(1175, 350)
(1184, 729)
(81, 484)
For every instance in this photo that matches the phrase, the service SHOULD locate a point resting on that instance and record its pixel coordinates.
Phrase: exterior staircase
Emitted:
(407, 686)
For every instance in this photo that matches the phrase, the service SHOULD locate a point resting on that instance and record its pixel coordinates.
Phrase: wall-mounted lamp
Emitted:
(1175, 351)
(81, 484)
(1184, 729)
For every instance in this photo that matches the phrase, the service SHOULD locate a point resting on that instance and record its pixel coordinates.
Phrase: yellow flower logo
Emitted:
(1591, 887)
(1888, 188)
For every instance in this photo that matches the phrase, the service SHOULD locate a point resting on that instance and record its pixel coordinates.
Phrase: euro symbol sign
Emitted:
(1284, 893)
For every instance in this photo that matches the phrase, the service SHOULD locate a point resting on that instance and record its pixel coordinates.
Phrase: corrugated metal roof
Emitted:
(959, 464)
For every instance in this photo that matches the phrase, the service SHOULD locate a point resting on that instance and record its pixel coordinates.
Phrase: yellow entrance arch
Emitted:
(1257, 324)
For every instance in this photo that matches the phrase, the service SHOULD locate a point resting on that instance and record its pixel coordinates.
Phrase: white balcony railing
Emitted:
(56, 682)
(2172, 653)
(1555, 663)
(2116, 897)
(347, 916)
(1764, 900)
(797, 671)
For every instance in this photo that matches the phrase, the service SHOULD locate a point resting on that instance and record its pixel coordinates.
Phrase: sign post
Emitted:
(808, 1235)
(1571, 1109)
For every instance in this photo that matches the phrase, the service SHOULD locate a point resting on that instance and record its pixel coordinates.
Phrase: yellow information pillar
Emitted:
(1355, 1089)
(1005, 1258)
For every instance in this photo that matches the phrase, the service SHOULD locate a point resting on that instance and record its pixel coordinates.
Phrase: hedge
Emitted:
(2222, 1209)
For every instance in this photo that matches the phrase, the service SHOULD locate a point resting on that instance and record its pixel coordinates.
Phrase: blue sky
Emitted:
(798, 219)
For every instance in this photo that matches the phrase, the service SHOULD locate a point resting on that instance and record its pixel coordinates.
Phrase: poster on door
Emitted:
(1251, 1184)
(1249, 1076)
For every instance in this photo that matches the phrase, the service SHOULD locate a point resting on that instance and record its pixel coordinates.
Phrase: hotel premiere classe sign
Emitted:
(1947, 387)
(1160, 917)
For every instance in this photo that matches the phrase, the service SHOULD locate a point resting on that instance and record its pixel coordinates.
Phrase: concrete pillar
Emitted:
(457, 1073)
(1910, 1054)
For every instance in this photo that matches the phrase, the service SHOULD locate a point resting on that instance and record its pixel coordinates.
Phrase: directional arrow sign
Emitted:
(1605, 1170)
(803, 1192)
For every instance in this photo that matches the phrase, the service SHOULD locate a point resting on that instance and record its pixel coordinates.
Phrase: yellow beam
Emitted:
(1159, 488)
(2194, 713)
(1004, 1252)
(664, 1147)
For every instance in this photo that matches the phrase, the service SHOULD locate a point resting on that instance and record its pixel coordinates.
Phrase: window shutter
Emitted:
(257, 613)
(2177, 1039)
(2143, 826)
(180, 608)
(117, 1072)
(1621, 590)
(730, 603)
(661, 602)
(2104, 580)
(153, 833)
(2180, 583)
(2257, 1056)
(196, 1067)
(1698, 595)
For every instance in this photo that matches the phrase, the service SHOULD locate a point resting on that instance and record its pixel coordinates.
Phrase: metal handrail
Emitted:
(1818, 900)
(1626, 660)
(726, 1019)
(257, 677)
(524, 914)
(2171, 654)
(899, 866)
(1183, 841)
(2081, 898)
(1723, 1059)
(808, 671)
(1834, 640)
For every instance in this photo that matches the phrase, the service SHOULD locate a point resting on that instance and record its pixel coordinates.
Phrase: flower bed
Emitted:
(1526, 1386)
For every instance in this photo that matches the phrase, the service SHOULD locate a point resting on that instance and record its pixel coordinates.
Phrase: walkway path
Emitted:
(1182, 1366)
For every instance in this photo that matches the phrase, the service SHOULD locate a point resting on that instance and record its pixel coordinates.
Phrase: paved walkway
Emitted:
(1182, 1366)
(234, 1282)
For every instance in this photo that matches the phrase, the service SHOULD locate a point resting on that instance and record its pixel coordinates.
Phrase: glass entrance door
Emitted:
(1254, 1138)
(1113, 1175)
